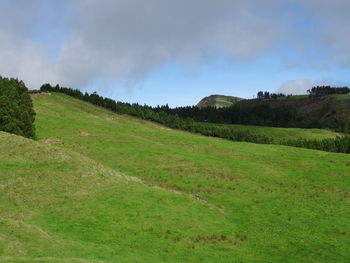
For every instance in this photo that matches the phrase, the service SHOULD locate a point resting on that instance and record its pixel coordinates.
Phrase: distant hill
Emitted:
(218, 101)
(331, 111)
(328, 111)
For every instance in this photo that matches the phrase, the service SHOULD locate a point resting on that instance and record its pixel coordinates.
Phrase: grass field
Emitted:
(101, 187)
(341, 96)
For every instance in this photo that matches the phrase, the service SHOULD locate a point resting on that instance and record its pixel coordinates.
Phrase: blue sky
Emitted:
(176, 52)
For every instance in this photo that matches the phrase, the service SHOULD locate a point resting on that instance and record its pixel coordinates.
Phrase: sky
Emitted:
(176, 51)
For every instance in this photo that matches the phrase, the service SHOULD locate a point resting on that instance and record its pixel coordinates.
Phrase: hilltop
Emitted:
(105, 187)
(218, 101)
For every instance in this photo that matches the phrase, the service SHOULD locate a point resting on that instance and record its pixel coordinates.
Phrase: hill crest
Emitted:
(218, 101)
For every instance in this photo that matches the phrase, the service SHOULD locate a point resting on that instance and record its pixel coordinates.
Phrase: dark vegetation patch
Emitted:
(219, 238)
(16, 108)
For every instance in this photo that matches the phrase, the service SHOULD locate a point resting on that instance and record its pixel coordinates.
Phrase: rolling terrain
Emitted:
(103, 187)
(59, 206)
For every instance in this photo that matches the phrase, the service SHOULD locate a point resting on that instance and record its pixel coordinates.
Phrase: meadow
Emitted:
(103, 187)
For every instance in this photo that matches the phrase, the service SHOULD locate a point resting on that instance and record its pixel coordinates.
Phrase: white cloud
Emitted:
(295, 87)
(124, 39)
(127, 39)
(332, 18)
(21, 57)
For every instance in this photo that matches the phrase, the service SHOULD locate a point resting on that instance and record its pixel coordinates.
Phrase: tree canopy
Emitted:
(16, 108)
(328, 90)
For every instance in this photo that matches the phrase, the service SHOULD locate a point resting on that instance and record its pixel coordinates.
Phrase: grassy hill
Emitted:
(102, 187)
(59, 206)
(218, 101)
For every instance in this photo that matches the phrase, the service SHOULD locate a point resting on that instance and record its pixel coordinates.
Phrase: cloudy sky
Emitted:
(176, 51)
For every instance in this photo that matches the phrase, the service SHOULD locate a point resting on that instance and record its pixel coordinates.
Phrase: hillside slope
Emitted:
(248, 202)
(59, 206)
(218, 101)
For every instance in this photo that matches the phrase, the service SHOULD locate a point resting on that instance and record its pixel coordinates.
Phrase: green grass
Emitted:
(294, 97)
(341, 96)
(72, 196)
(284, 133)
(58, 206)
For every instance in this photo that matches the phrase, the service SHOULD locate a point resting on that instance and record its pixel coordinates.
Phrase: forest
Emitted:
(262, 114)
(174, 118)
(16, 108)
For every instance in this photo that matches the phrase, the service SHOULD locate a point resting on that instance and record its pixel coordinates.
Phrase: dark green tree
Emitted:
(16, 108)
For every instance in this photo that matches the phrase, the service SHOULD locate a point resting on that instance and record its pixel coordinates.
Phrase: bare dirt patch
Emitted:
(163, 128)
(84, 133)
(34, 95)
(52, 141)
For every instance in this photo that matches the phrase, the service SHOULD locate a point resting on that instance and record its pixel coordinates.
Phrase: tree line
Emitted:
(262, 114)
(261, 95)
(161, 115)
(16, 108)
(314, 91)
(328, 90)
